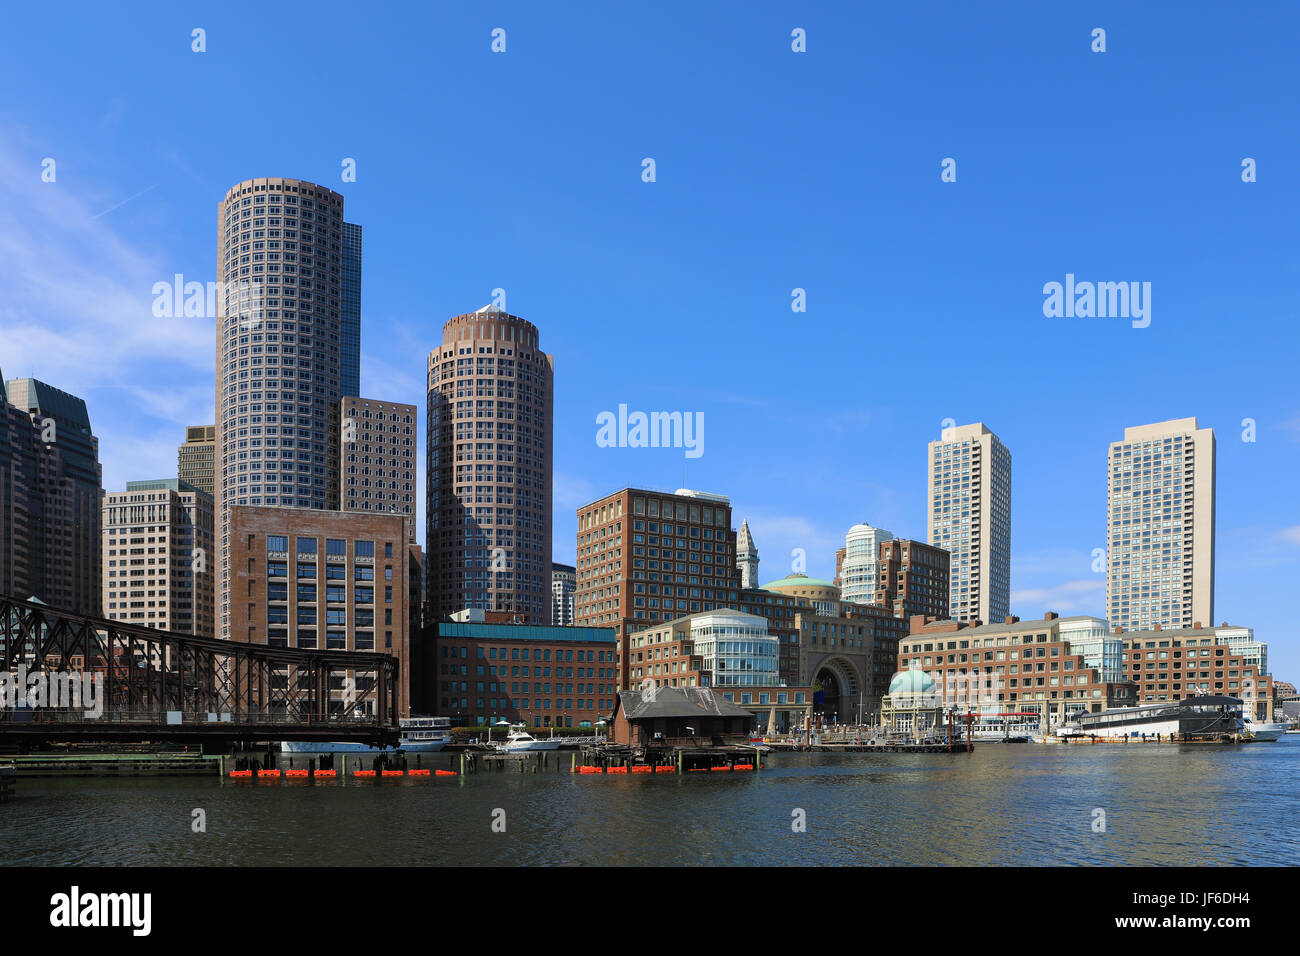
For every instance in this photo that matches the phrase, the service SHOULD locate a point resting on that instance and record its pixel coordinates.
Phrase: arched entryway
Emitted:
(837, 691)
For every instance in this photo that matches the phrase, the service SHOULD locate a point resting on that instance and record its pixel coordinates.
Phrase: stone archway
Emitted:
(837, 690)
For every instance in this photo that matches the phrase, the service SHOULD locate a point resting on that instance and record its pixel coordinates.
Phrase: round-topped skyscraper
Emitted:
(488, 505)
(284, 304)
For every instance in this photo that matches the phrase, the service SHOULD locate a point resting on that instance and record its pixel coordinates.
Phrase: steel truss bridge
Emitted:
(142, 684)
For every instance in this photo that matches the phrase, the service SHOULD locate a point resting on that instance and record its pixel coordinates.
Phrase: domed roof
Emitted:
(798, 581)
(911, 681)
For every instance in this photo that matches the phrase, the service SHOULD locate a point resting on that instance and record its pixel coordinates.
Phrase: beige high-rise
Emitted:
(157, 549)
(488, 498)
(196, 459)
(1160, 527)
(968, 513)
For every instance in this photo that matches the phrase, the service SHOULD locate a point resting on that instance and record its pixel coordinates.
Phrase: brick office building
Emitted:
(540, 675)
(912, 578)
(328, 580)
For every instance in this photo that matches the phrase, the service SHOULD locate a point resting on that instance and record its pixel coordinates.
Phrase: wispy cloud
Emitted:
(78, 313)
(1085, 594)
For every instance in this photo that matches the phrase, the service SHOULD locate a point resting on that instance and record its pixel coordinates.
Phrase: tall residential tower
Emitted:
(968, 513)
(1160, 527)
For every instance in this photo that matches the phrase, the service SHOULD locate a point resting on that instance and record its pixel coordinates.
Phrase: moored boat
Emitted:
(418, 735)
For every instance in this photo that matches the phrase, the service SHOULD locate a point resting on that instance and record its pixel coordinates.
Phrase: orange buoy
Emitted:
(418, 773)
(445, 773)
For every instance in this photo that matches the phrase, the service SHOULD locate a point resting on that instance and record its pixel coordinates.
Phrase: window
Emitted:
(276, 543)
(364, 549)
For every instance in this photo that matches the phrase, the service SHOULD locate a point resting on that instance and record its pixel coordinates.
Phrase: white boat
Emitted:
(1264, 731)
(520, 741)
(1212, 717)
(419, 735)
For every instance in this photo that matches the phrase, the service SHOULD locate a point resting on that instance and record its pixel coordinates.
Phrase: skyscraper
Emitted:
(50, 489)
(857, 574)
(281, 351)
(564, 578)
(968, 513)
(1160, 527)
(377, 457)
(196, 459)
(488, 494)
(350, 309)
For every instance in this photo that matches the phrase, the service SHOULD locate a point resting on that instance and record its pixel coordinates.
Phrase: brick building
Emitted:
(329, 580)
(540, 675)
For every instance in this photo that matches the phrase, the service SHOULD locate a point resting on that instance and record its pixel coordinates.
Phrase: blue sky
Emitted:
(775, 170)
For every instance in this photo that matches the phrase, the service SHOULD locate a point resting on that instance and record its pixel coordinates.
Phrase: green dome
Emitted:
(911, 682)
(797, 581)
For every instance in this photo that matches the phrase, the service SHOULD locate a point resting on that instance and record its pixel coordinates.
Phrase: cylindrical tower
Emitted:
(280, 263)
(488, 506)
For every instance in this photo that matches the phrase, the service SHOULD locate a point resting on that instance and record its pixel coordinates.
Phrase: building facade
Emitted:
(564, 578)
(158, 551)
(50, 491)
(327, 580)
(377, 456)
(856, 572)
(1173, 663)
(280, 354)
(1019, 667)
(196, 459)
(912, 578)
(539, 675)
(647, 557)
(1160, 526)
(488, 493)
(968, 513)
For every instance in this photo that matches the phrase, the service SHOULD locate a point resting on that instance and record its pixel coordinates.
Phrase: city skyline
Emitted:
(859, 455)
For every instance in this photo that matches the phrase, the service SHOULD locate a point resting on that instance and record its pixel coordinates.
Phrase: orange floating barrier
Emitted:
(241, 773)
(643, 769)
(296, 773)
(268, 773)
(444, 773)
(617, 770)
(418, 773)
(391, 773)
(743, 766)
(715, 769)
(588, 770)
(327, 773)
(363, 773)
(665, 768)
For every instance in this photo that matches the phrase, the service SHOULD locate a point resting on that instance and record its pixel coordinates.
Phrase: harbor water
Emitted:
(1020, 804)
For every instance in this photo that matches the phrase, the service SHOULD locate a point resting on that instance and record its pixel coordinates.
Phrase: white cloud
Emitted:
(1087, 595)
(1291, 534)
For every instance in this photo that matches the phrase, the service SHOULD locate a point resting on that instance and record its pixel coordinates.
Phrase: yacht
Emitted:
(1264, 731)
(419, 735)
(520, 741)
(1206, 717)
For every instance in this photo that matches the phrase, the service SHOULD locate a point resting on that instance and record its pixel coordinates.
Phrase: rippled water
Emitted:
(1002, 804)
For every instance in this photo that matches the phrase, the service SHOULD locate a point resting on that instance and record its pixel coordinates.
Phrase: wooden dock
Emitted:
(116, 765)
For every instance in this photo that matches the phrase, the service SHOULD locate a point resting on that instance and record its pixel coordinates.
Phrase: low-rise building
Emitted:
(678, 716)
(1018, 666)
(1173, 663)
(536, 674)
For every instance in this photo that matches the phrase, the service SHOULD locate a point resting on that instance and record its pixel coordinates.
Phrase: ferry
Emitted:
(419, 735)
(1209, 716)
